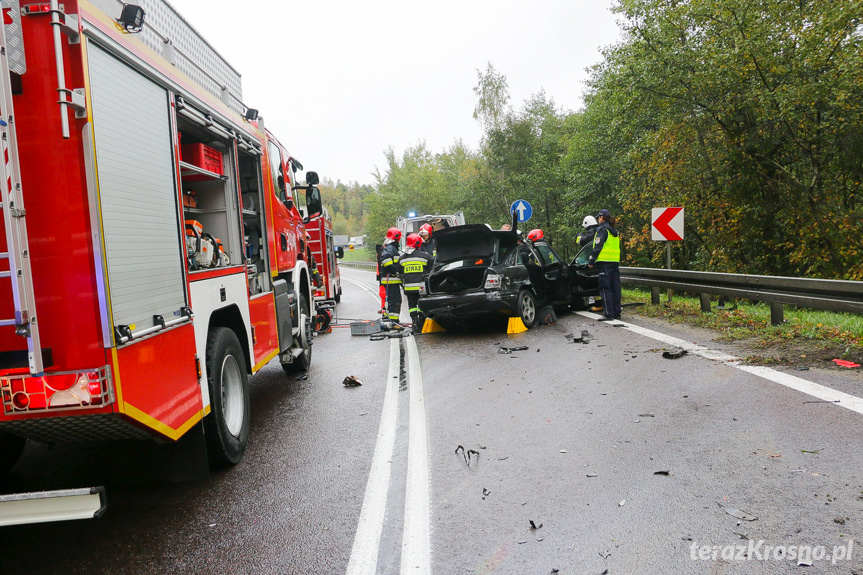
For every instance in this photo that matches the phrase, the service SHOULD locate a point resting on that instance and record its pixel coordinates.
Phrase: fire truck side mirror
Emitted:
(313, 200)
(312, 179)
(340, 252)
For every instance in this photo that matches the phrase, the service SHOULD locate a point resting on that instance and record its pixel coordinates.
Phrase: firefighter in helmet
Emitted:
(589, 224)
(415, 265)
(428, 245)
(388, 261)
(530, 260)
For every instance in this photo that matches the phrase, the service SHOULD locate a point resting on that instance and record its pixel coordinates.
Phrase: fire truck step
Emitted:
(45, 506)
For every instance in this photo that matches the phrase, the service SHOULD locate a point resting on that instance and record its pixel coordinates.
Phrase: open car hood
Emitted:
(464, 242)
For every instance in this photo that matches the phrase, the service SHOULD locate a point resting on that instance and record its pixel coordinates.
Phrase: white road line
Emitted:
(793, 382)
(364, 555)
(416, 539)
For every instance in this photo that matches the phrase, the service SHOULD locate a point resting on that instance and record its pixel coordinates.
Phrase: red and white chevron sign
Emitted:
(666, 224)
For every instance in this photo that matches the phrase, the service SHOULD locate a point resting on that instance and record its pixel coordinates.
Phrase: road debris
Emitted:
(646, 415)
(665, 473)
(674, 353)
(534, 526)
(351, 381)
(622, 503)
(302, 377)
(592, 475)
(467, 454)
(508, 350)
(823, 401)
(734, 512)
(845, 363)
(485, 493)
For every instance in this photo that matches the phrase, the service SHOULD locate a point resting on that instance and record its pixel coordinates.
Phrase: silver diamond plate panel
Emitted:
(14, 38)
(166, 32)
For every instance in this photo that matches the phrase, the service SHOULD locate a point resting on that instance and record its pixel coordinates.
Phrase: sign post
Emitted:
(666, 225)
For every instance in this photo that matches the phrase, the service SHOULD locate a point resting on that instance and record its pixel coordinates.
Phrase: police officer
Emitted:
(415, 265)
(388, 262)
(428, 244)
(606, 255)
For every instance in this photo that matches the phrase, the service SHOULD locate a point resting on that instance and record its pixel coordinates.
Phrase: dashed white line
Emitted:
(816, 390)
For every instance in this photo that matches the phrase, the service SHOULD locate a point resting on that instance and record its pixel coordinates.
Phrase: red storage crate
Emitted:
(203, 156)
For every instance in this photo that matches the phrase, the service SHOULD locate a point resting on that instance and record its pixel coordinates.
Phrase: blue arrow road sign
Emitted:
(523, 208)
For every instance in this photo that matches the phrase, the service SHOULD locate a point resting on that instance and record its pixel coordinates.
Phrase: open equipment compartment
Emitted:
(210, 198)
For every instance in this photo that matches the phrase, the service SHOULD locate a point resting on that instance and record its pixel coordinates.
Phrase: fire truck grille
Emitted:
(75, 429)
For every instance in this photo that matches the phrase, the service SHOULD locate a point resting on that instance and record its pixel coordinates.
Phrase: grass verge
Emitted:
(806, 336)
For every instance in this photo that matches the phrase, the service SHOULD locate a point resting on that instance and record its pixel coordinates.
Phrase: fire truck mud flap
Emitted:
(284, 300)
(299, 356)
(45, 506)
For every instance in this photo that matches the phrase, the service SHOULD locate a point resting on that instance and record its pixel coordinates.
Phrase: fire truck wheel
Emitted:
(11, 447)
(303, 361)
(227, 426)
(338, 297)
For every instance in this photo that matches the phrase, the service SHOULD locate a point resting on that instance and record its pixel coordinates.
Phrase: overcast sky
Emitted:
(340, 81)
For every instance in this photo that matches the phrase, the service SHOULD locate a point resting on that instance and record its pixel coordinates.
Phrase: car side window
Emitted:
(582, 257)
(547, 254)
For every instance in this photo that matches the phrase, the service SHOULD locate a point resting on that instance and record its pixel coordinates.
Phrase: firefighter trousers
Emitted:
(394, 301)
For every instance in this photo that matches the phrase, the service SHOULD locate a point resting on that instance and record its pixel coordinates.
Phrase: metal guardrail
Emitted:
(372, 266)
(830, 295)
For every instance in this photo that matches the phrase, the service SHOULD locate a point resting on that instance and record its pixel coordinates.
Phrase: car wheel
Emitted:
(527, 308)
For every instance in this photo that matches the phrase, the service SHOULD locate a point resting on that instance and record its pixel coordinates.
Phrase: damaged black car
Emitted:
(480, 272)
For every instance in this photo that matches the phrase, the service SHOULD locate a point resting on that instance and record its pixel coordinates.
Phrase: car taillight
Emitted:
(493, 281)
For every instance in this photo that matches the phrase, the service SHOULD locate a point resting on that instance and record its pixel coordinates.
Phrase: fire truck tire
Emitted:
(303, 361)
(338, 297)
(227, 427)
(11, 447)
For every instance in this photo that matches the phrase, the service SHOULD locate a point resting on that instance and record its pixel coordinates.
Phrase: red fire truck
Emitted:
(329, 293)
(153, 233)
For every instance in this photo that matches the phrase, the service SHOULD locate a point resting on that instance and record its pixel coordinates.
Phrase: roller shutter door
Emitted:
(137, 191)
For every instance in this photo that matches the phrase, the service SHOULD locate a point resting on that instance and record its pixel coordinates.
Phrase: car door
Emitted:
(585, 280)
(555, 274)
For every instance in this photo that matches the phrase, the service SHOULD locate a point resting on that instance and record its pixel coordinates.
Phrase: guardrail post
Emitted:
(705, 302)
(777, 316)
(654, 295)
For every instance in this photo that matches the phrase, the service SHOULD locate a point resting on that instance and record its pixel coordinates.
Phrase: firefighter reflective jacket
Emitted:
(415, 265)
(389, 264)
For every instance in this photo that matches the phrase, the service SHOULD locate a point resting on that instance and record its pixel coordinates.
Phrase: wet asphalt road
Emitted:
(568, 435)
